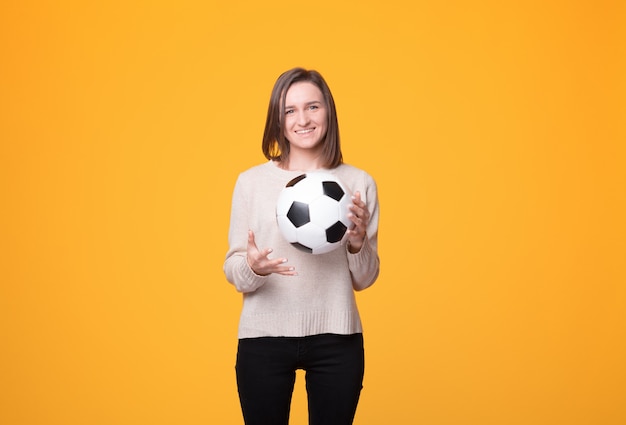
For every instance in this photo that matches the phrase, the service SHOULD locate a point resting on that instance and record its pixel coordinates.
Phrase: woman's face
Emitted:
(305, 117)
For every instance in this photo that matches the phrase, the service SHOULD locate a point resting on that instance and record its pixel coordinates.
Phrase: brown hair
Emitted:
(275, 145)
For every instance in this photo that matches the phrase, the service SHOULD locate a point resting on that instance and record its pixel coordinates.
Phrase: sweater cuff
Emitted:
(363, 266)
(363, 255)
(250, 281)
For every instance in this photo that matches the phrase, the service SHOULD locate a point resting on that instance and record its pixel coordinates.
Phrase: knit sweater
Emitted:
(320, 299)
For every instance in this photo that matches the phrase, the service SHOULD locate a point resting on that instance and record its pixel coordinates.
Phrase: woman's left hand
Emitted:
(360, 216)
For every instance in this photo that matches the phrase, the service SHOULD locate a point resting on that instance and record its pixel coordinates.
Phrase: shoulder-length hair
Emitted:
(275, 144)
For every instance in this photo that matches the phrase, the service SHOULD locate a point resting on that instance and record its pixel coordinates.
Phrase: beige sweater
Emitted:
(320, 299)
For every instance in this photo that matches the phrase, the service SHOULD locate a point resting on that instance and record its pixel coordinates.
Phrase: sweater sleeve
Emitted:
(236, 267)
(365, 264)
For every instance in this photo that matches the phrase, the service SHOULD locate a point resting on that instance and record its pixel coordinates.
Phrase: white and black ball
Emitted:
(312, 212)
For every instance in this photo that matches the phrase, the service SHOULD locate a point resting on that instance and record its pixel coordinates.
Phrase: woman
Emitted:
(299, 309)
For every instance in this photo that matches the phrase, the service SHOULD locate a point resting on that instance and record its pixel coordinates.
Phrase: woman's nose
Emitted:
(303, 118)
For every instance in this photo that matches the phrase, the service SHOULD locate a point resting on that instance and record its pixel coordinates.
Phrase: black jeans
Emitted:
(266, 372)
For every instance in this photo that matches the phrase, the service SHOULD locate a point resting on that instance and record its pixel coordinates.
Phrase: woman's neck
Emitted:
(297, 163)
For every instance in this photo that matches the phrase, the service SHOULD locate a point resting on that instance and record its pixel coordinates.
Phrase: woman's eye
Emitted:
(289, 111)
(313, 107)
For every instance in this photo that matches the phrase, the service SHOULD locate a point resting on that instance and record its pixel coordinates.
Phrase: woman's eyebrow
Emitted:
(306, 104)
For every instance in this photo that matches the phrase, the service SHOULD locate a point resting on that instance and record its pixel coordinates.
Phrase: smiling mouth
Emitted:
(308, 130)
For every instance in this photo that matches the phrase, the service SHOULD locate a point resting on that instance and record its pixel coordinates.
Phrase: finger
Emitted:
(286, 271)
(278, 267)
(357, 200)
(360, 226)
(253, 246)
(358, 231)
(356, 220)
(261, 264)
(359, 216)
(358, 206)
(251, 241)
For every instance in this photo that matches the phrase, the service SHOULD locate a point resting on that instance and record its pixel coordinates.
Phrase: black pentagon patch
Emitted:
(302, 247)
(295, 180)
(298, 214)
(335, 232)
(333, 190)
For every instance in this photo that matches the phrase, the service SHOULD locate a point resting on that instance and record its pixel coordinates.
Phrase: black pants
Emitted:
(266, 373)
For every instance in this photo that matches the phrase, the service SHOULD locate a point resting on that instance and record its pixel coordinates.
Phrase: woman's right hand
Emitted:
(262, 265)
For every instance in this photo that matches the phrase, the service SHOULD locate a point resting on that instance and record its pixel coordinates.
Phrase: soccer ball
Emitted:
(312, 212)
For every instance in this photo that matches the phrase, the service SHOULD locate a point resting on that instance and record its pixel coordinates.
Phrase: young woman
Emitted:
(299, 309)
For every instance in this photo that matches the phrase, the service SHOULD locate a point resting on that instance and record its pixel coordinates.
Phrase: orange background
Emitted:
(496, 133)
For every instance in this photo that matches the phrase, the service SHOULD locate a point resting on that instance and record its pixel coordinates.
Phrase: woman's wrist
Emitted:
(355, 248)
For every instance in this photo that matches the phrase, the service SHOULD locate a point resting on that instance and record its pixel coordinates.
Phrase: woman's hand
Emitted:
(360, 216)
(260, 263)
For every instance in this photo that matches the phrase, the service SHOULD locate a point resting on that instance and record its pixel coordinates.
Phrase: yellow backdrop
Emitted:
(496, 133)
